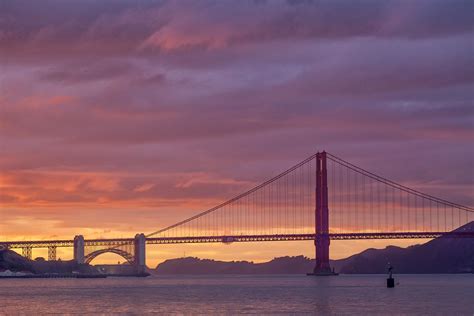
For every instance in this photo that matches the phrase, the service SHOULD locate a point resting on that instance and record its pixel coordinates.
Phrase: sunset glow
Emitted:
(119, 118)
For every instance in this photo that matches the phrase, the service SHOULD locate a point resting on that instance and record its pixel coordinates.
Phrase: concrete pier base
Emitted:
(323, 272)
(79, 249)
(122, 270)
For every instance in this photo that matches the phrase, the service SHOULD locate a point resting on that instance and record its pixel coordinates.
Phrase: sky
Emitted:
(118, 117)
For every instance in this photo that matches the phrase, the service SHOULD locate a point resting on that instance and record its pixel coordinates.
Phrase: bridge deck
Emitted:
(239, 238)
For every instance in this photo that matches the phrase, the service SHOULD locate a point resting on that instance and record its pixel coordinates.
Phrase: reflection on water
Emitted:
(361, 294)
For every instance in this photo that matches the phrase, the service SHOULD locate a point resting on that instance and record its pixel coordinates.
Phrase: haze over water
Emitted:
(231, 294)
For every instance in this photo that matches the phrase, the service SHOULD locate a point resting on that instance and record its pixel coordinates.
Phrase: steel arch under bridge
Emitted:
(124, 254)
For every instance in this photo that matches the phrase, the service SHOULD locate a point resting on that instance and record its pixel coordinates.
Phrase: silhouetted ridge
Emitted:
(440, 255)
(191, 265)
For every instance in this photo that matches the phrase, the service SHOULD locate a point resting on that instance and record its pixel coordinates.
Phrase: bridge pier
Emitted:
(322, 241)
(140, 252)
(79, 249)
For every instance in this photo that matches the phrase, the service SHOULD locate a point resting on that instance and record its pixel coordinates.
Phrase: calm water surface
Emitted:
(281, 294)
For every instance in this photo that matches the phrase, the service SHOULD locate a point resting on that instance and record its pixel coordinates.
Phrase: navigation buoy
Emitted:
(390, 280)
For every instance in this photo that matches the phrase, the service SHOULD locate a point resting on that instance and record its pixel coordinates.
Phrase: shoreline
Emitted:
(54, 276)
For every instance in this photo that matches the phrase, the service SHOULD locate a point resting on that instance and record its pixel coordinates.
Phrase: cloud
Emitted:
(144, 187)
(80, 72)
(158, 27)
(139, 114)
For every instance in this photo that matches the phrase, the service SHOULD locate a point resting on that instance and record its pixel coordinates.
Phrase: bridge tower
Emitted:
(79, 249)
(322, 241)
(139, 249)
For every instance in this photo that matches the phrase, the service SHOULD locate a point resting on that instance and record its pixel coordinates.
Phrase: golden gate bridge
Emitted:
(322, 198)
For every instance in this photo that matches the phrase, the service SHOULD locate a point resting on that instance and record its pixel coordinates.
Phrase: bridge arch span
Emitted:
(127, 256)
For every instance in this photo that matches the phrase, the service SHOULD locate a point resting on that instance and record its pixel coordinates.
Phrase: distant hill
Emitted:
(190, 265)
(441, 255)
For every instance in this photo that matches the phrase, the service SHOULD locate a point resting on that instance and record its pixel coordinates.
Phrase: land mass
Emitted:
(13, 262)
(440, 255)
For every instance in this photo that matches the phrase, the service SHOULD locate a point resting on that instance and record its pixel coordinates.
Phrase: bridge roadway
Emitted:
(231, 239)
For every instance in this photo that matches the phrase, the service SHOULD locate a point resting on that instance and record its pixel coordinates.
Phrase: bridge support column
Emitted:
(27, 252)
(139, 252)
(79, 249)
(322, 241)
(51, 253)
